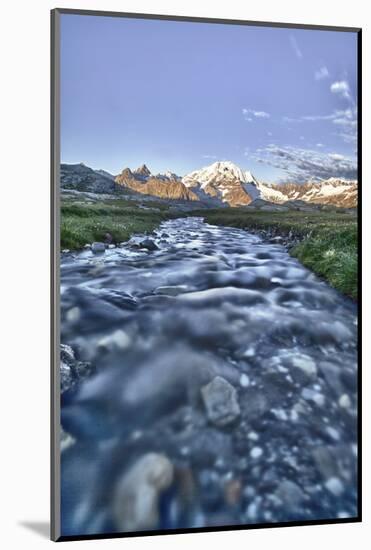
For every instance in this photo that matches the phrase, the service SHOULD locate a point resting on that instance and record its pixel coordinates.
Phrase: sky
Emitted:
(178, 96)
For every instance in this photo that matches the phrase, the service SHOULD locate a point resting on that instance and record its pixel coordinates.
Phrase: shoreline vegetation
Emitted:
(325, 240)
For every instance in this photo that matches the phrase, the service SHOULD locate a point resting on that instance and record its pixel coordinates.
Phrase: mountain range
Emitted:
(222, 183)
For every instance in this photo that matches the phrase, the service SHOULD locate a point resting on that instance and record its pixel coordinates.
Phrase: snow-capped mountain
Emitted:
(225, 181)
(237, 187)
(335, 191)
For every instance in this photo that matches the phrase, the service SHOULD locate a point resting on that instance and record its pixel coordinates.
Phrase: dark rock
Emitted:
(149, 244)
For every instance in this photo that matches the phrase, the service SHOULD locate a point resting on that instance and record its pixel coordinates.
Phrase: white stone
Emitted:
(136, 496)
(311, 395)
(294, 415)
(250, 352)
(280, 414)
(73, 314)
(306, 364)
(344, 401)
(244, 380)
(256, 452)
(334, 434)
(335, 486)
(118, 338)
(252, 510)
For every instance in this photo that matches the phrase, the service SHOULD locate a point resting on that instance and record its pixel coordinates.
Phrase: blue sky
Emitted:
(179, 96)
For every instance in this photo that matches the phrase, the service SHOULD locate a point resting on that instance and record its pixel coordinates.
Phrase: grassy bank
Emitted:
(328, 239)
(84, 222)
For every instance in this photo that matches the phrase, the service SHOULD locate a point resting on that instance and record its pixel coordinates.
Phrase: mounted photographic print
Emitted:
(205, 182)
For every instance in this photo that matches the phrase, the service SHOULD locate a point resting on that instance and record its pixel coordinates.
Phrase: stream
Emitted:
(209, 381)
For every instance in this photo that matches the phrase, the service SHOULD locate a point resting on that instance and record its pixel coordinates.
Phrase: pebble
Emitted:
(244, 380)
(252, 511)
(311, 395)
(73, 314)
(344, 401)
(335, 486)
(306, 364)
(118, 339)
(256, 452)
(334, 434)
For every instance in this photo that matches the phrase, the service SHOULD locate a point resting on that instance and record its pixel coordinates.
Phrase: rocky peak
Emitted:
(143, 171)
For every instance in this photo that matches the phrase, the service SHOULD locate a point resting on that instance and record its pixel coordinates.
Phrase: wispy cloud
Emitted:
(301, 165)
(295, 47)
(322, 73)
(344, 118)
(249, 114)
(209, 156)
(341, 88)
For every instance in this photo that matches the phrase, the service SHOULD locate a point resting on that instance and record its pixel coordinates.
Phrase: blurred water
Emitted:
(158, 326)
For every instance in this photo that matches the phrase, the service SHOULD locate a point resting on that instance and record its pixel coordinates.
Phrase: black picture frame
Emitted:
(55, 264)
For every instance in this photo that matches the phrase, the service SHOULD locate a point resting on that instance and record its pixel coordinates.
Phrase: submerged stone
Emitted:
(220, 399)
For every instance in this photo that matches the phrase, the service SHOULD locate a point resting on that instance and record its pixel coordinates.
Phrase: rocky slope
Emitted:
(80, 177)
(166, 186)
(332, 191)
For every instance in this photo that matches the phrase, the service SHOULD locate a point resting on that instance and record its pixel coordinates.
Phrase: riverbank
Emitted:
(110, 220)
(323, 241)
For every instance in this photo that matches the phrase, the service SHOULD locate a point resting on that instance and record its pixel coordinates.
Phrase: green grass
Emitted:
(333, 256)
(329, 239)
(83, 222)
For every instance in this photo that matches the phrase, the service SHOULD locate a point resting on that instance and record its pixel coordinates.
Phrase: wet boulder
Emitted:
(137, 494)
(220, 400)
(98, 248)
(149, 244)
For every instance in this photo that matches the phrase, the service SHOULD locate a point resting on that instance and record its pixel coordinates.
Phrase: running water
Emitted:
(218, 365)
